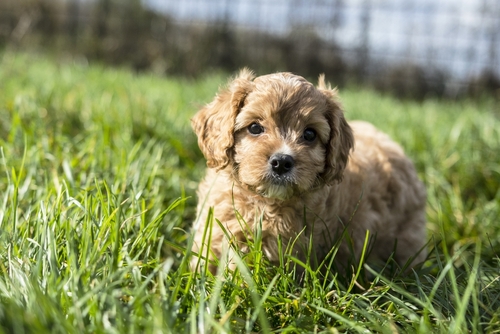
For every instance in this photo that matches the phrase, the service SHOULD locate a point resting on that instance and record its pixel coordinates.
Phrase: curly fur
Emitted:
(351, 177)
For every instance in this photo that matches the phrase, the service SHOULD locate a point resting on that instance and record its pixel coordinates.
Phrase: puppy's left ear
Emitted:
(341, 138)
(214, 124)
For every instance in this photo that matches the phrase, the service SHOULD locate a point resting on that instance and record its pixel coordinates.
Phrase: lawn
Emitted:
(98, 172)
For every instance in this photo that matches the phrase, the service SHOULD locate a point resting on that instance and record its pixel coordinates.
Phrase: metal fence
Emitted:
(460, 38)
(413, 47)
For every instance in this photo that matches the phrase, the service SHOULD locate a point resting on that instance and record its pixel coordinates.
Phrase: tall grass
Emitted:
(97, 193)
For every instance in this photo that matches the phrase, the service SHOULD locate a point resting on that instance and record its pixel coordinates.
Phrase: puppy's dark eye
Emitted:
(255, 129)
(309, 135)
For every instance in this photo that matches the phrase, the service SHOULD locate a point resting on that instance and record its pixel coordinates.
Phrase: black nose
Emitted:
(281, 163)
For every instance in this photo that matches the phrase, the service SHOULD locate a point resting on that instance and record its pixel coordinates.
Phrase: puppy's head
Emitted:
(278, 134)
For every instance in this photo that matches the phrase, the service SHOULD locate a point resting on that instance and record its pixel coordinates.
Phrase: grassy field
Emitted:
(98, 171)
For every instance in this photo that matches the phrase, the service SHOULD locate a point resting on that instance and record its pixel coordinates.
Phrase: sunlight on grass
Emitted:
(98, 174)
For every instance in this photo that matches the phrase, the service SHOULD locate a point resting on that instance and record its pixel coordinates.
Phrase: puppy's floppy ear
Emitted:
(341, 138)
(214, 124)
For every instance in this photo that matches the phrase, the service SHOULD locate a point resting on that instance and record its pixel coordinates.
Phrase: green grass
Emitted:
(98, 171)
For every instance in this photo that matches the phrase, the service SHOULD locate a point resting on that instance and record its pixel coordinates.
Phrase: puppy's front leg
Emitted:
(221, 245)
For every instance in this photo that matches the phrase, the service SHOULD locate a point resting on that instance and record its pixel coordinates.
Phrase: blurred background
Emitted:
(411, 48)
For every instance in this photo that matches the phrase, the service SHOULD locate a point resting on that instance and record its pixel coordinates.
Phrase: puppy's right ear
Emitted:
(214, 124)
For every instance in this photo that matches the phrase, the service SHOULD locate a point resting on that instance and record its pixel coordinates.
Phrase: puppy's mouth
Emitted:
(279, 182)
(280, 187)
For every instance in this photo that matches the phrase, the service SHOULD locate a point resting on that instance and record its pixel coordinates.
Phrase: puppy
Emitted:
(282, 158)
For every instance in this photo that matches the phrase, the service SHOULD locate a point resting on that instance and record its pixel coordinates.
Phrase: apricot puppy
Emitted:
(281, 155)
